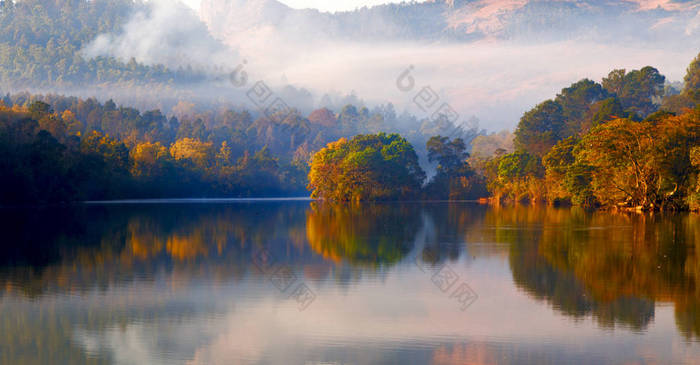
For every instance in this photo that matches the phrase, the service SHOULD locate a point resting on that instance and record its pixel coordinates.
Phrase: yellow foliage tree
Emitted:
(201, 154)
(73, 125)
(148, 158)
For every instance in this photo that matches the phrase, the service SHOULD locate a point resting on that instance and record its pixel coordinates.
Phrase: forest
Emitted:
(75, 149)
(41, 42)
(630, 142)
(79, 149)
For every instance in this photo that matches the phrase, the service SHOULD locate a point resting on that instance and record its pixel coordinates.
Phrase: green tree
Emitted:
(455, 179)
(449, 155)
(692, 80)
(576, 101)
(368, 167)
(637, 89)
(540, 128)
(517, 176)
(607, 110)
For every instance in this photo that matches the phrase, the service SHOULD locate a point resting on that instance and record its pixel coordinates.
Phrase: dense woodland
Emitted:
(632, 142)
(80, 149)
(57, 148)
(74, 149)
(41, 43)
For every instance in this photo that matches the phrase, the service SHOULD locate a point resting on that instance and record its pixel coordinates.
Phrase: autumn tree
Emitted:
(113, 152)
(149, 159)
(642, 164)
(188, 150)
(367, 167)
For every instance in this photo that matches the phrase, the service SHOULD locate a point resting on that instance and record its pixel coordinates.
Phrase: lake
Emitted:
(300, 282)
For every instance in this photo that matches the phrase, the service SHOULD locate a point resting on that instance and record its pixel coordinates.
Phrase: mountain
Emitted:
(463, 20)
(237, 19)
(489, 58)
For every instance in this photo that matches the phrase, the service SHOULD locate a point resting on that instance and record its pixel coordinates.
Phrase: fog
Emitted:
(166, 32)
(495, 81)
(493, 78)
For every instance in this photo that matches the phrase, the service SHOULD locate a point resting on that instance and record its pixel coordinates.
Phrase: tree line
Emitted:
(632, 141)
(50, 156)
(60, 149)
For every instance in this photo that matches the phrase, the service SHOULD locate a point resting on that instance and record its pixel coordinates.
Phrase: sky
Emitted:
(334, 5)
(323, 5)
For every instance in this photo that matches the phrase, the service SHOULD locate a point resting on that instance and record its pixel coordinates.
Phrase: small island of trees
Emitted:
(385, 167)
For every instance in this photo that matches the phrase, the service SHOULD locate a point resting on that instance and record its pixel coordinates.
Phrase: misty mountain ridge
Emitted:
(462, 20)
(489, 58)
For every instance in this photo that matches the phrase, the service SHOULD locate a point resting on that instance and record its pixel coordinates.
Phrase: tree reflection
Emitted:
(613, 266)
(87, 247)
(372, 234)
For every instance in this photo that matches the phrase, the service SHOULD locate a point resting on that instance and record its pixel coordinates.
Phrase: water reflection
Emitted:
(362, 234)
(177, 284)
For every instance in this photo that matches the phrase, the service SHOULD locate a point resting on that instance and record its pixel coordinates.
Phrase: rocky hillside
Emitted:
(654, 22)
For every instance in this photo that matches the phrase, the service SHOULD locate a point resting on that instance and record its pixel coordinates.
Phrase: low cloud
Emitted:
(163, 32)
(494, 79)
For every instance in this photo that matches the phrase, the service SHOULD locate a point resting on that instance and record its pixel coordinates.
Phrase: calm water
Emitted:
(293, 282)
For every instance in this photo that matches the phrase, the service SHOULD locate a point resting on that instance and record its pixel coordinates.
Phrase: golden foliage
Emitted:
(198, 152)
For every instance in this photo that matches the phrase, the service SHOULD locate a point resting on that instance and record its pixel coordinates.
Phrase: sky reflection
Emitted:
(177, 284)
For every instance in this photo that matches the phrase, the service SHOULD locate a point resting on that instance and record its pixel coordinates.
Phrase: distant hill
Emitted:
(77, 42)
(463, 20)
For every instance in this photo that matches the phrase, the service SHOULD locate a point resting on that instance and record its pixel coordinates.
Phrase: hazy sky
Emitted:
(325, 5)
(335, 5)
